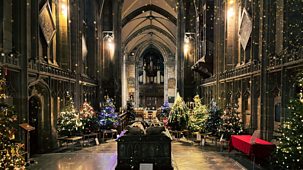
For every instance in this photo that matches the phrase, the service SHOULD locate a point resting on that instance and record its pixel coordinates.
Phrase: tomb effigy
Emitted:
(139, 145)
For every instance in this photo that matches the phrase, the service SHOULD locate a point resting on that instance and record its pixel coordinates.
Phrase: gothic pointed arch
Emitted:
(40, 114)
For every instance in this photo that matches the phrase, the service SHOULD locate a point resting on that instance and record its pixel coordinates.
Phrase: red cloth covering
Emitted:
(260, 149)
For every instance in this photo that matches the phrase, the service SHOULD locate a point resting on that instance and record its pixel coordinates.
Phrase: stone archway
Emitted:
(34, 112)
(40, 116)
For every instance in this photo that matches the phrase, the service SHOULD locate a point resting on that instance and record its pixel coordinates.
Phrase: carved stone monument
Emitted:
(136, 150)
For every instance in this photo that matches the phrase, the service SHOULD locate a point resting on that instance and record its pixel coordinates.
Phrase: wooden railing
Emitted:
(49, 69)
(10, 59)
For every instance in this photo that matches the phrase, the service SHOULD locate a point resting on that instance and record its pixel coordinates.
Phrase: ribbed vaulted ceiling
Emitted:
(149, 22)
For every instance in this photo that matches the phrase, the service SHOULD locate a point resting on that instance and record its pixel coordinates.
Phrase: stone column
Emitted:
(180, 55)
(263, 52)
(21, 37)
(75, 26)
(165, 81)
(124, 81)
(137, 90)
(117, 8)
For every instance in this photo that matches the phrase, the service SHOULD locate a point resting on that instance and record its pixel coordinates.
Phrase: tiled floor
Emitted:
(103, 157)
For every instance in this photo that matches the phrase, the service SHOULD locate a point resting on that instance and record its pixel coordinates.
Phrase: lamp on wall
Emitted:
(188, 40)
(109, 43)
(186, 46)
(64, 9)
(231, 9)
(230, 12)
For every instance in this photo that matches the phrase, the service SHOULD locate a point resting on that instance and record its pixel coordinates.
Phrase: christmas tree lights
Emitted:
(178, 117)
(165, 109)
(198, 116)
(130, 112)
(89, 118)
(231, 122)
(163, 116)
(69, 122)
(214, 121)
(10, 151)
(108, 119)
(289, 152)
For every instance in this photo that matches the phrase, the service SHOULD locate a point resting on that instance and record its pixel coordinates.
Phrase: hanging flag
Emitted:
(245, 29)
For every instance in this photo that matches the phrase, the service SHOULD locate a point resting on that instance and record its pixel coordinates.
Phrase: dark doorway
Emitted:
(34, 112)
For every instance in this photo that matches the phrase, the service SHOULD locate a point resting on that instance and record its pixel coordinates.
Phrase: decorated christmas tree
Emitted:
(163, 116)
(178, 117)
(10, 151)
(214, 121)
(289, 152)
(198, 116)
(108, 119)
(69, 122)
(165, 109)
(130, 112)
(89, 118)
(231, 122)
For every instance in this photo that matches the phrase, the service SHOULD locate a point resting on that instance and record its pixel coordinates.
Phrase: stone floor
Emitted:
(186, 156)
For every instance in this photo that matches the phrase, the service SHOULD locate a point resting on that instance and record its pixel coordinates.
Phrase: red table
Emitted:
(259, 149)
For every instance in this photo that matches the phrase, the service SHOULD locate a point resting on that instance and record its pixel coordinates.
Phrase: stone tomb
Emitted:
(136, 150)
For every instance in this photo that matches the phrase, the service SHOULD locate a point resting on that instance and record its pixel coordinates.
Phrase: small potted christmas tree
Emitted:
(163, 116)
(69, 122)
(231, 122)
(89, 118)
(108, 119)
(130, 114)
(178, 117)
(214, 121)
(198, 116)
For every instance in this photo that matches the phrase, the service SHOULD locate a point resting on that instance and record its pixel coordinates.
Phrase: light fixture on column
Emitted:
(231, 9)
(189, 37)
(230, 12)
(64, 9)
(186, 46)
(109, 42)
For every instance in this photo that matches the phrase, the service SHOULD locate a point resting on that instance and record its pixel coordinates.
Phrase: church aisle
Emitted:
(189, 157)
(103, 157)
